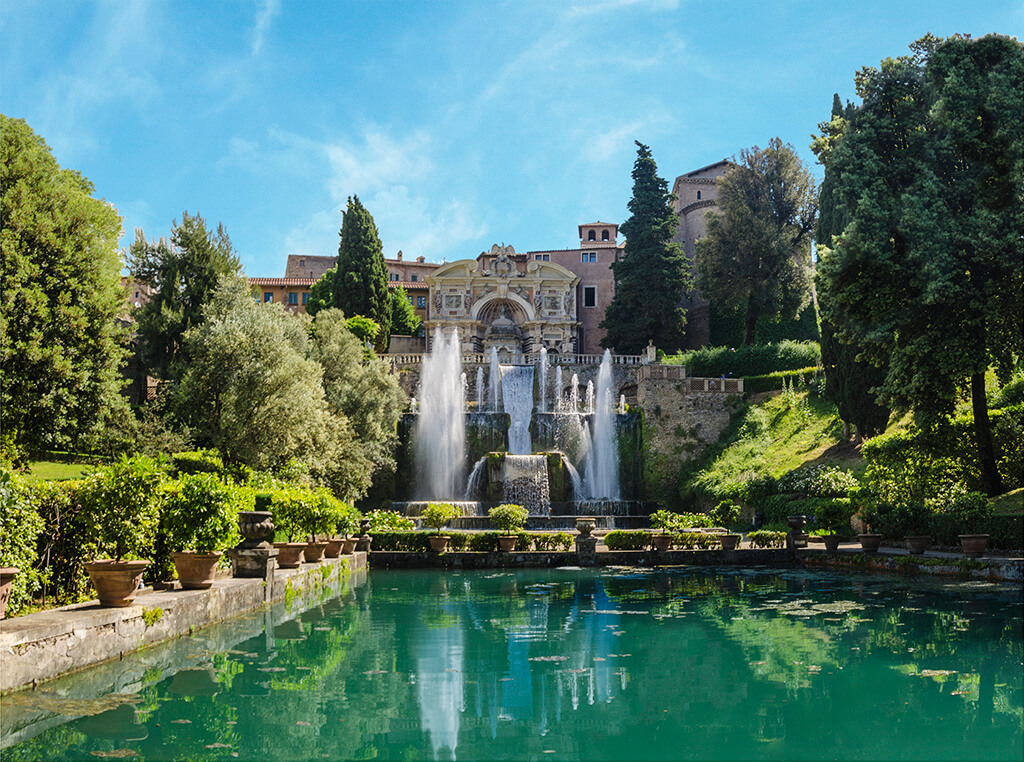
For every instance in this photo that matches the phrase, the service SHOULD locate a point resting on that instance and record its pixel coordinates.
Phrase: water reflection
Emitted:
(614, 664)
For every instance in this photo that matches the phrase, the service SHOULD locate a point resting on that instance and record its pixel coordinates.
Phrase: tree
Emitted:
(929, 271)
(252, 389)
(358, 285)
(653, 273)
(61, 295)
(404, 320)
(849, 382)
(183, 276)
(757, 252)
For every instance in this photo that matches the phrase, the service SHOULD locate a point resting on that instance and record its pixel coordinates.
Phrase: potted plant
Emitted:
(666, 522)
(286, 518)
(834, 519)
(317, 515)
(199, 521)
(724, 514)
(509, 519)
(971, 510)
(435, 516)
(348, 525)
(121, 514)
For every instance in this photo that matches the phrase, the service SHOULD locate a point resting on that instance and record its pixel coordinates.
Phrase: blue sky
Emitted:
(458, 124)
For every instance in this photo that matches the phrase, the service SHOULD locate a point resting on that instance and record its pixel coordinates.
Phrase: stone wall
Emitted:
(682, 417)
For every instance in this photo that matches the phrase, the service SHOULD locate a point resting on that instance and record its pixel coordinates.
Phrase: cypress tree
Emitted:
(361, 281)
(653, 274)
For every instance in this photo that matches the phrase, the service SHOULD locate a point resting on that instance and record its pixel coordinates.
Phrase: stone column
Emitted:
(586, 543)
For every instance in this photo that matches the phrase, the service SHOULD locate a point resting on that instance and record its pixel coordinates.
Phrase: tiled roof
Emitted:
(282, 281)
(408, 285)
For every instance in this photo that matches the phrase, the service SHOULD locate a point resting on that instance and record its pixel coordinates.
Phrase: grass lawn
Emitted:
(51, 470)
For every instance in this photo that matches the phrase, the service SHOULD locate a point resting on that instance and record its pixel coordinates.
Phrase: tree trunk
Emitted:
(846, 430)
(990, 480)
(858, 435)
(751, 323)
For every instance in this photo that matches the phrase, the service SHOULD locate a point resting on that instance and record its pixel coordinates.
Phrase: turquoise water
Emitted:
(620, 664)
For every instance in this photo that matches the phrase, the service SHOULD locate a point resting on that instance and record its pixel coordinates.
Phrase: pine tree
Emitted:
(653, 273)
(360, 284)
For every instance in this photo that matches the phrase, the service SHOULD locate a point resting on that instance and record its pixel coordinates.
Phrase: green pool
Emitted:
(620, 664)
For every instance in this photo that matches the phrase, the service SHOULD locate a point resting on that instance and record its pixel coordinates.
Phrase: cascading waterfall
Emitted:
(441, 425)
(601, 475)
(525, 481)
(517, 395)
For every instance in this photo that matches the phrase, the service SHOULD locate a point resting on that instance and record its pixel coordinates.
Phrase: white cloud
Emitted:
(268, 10)
(379, 162)
(605, 145)
(604, 6)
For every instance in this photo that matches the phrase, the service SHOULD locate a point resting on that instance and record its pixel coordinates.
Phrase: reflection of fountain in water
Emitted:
(439, 685)
(441, 426)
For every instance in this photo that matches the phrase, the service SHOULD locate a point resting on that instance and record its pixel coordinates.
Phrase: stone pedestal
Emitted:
(586, 543)
(363, 541)
(255, 563)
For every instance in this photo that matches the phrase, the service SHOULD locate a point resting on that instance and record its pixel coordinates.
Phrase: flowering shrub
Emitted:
(818, 481)
(389, 521)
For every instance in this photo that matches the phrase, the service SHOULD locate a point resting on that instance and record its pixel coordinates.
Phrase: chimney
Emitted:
(398, 256)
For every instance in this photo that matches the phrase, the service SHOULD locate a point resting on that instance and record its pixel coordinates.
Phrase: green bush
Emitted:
(771, 382)
(477, 542)
(627, 539)
(666, 521)
(765, 538)
(437, 515)
(66, 544)
(119, 506)
(198, 462)
(20, 526)
(508, 518)
(301, 512)
(754, 360)
(834, 515)
(725, 513)
(199, 512)
(818, 481)
(389, 521)
(695, 540)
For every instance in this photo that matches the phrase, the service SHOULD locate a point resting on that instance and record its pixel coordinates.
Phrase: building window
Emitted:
(591, 236)
(588, 256)
(415, 277)
(293, 298)
(136, 294)
(305, 299)
(542, 257)
(604, 235)
(590, 296)
(394, 276)
(268, 296)
(302, 263)
(698, 195)
(421, 302)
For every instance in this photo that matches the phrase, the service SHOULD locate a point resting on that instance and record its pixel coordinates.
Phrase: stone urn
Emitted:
(333, 549)
(869, 543)
(507, 542)
(917, 544)
(973, 545)
(730, 541)
(314, 551)
(796, 523)
(289, 554)
(831, 542)
(348, 545)
(116, 582)
(7, 574)
(256, 528)
(439, 542)
(585, 525)
(196, 571)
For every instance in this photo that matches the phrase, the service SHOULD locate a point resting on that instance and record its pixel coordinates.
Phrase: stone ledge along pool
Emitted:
(566, 663)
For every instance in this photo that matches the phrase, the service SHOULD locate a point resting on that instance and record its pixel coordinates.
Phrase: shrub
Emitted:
(20, 526)
(437, 515)
(764, 538)
(754, 360)
(198, 462)
(771, 382)
(66, 544)
(348, 521)
(834, 515)
(118, 502)
(627, 539)
(818, 481)
(389, 521)
(477, 542)
(725, 513)
(199, 512)
(508, 518)
(667, 521)
(552, 541)
(698, 540)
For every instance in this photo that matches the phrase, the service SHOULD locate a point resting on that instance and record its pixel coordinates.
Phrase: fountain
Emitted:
(556, 455)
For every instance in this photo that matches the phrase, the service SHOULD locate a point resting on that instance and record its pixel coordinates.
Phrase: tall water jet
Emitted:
(517, 394)
(589, 409)
(558, 389)
(441, 425)
(543, 379)
(601, 478)
(494, 381)
(480, 388)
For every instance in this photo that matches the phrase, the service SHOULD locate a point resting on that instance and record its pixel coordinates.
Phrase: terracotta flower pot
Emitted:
(333, 549)
(507, 542)
(289, 554)
(661, 542)
(314, 552)
(869, 542)
(439, 542)
(831, 542)
(116, 582)
(348, 546)
(973, 545)
(918, 544)
(730, 541)
(6, 580)
(196, 571)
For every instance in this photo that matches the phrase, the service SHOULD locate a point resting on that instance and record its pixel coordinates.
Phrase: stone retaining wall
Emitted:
(48, 644)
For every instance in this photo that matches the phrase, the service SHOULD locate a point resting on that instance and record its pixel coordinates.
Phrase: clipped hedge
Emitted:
(765, 538)
(198, 462)
(628, 539)
(20, 525)
(478, 542)
(754, 360)
(771, 382)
